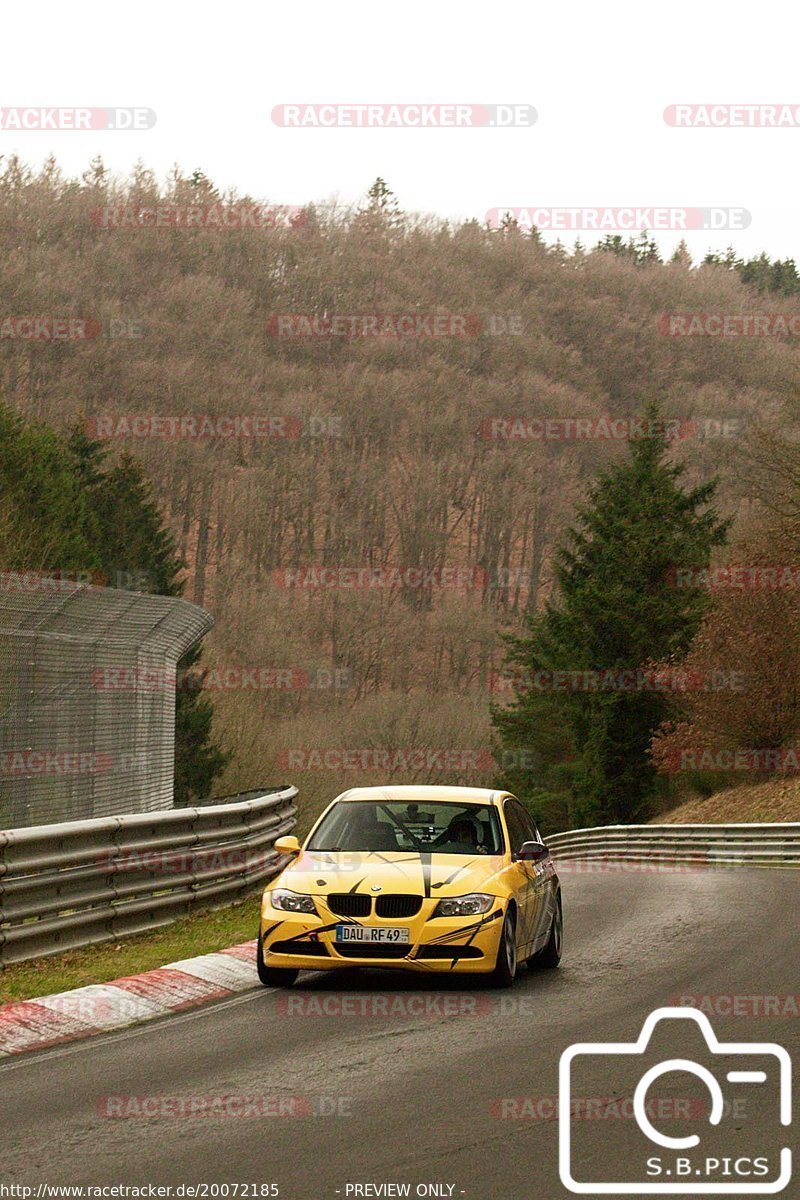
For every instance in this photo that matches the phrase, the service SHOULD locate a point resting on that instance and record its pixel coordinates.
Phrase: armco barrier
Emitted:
(72, 884)
(758, 845)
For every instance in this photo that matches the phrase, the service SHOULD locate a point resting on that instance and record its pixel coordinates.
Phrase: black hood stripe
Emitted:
(425, 858)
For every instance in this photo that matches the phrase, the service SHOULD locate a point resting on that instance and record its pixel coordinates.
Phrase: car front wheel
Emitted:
(273, 976)
(506, 966)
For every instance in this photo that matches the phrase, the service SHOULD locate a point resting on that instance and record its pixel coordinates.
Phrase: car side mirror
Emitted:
(288, 845)
(532, 852)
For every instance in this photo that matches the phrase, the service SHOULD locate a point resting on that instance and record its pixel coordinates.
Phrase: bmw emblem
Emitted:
(376, 887)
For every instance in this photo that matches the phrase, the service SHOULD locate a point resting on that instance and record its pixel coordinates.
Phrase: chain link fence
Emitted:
(87, 698)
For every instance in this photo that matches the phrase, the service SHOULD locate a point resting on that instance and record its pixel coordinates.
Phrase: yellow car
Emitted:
(442, 879)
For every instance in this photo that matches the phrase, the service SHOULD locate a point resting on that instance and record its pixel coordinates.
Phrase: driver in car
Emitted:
(465, 830)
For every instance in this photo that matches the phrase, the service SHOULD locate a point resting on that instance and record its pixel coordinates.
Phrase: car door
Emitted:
(522, 876)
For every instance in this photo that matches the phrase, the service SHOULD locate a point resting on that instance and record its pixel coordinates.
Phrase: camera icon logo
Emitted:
(679, 1165)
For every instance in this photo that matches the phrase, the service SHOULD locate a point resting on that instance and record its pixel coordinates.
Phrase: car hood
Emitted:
(407, 872)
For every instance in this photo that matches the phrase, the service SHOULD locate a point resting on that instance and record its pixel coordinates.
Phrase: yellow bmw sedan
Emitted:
(442, 879)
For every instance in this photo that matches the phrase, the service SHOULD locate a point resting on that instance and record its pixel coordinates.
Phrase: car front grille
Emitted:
(347, 904)
(396, 907)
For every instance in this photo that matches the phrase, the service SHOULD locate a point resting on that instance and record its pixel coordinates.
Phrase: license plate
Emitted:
(360, 933)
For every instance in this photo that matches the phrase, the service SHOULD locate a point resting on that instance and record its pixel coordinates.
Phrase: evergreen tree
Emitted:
(586, 754)
(47, 523)
(383, 210)
(614, 243)
(136, 548)
(643, 249)
(381, 197)
(198, 759)
(779, 277)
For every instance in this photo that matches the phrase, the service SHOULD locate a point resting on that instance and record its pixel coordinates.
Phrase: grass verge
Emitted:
(199, 934)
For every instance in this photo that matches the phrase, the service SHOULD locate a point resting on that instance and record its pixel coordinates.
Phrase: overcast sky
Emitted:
(598, 76)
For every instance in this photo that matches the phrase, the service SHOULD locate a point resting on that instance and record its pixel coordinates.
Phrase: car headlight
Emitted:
(464, 906)
(291, 901)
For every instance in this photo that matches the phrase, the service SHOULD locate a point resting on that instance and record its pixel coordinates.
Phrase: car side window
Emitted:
(524, 820)
(532, 833)
(517, 833)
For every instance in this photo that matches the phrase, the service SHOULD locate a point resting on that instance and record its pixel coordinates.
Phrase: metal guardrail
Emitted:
(80, 882)
(756, 844)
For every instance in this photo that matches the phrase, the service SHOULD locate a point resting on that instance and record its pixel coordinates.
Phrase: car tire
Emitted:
(273, 976)
(505, 968)
(550, 955)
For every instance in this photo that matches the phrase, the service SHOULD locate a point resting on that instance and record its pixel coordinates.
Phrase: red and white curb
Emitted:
(101, 1007)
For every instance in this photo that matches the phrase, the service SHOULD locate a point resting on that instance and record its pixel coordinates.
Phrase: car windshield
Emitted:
(442, 827)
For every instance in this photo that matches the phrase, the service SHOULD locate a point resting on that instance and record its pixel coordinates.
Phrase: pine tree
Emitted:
(383, 211)
(135, 544)
(645, 249)
(617, 610)
(198, 759)
(47, 523)
(381, 197)
(641, 250)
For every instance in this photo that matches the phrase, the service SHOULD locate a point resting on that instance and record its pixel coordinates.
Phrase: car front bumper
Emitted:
(304, 942)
